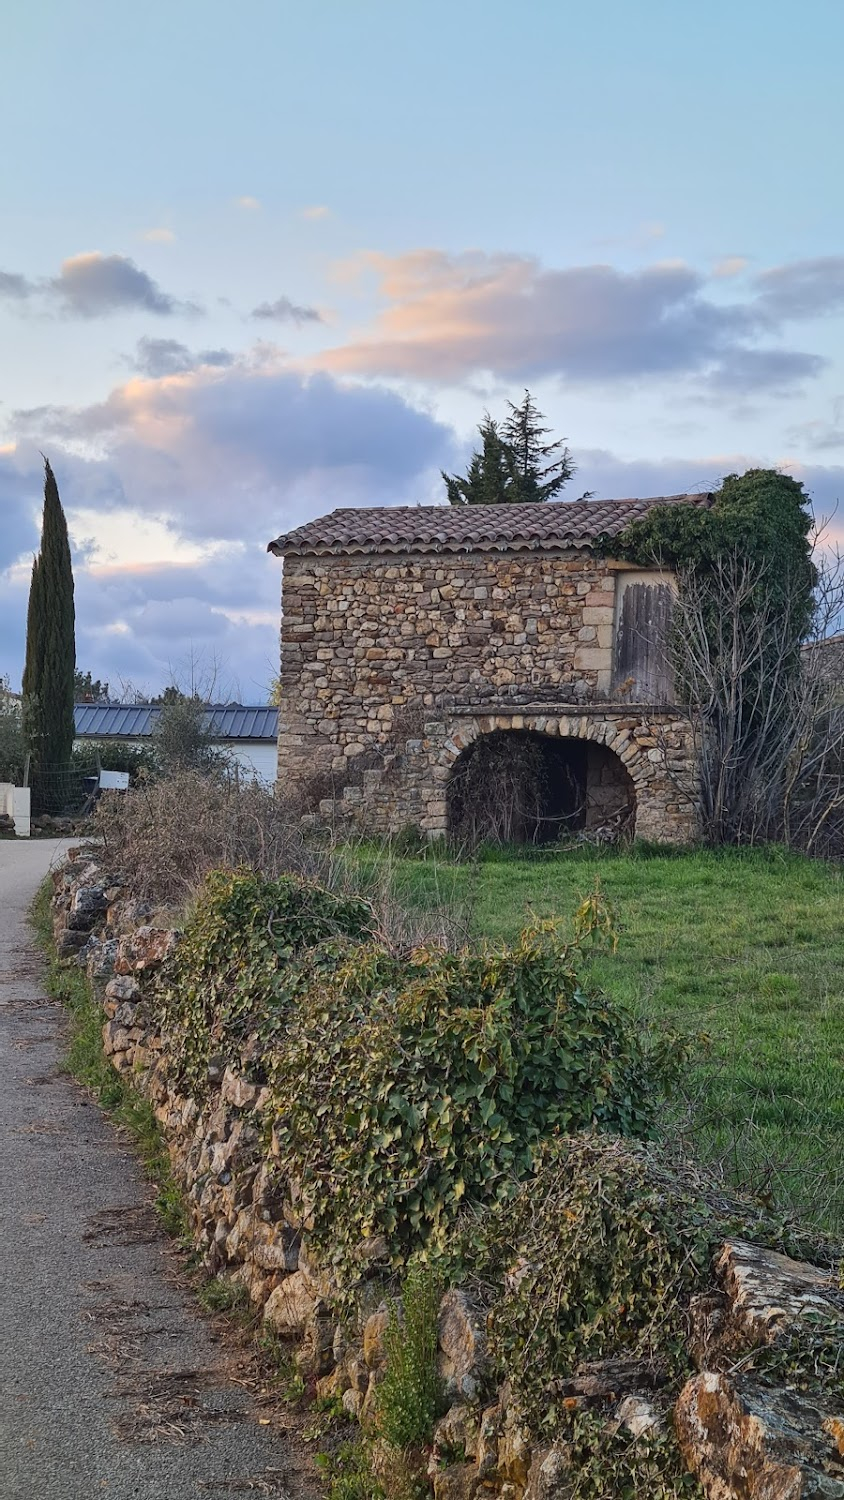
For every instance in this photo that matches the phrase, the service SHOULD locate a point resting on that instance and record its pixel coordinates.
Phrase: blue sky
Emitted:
(260, 260)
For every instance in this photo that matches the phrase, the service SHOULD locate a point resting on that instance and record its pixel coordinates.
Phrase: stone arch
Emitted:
(539, 778)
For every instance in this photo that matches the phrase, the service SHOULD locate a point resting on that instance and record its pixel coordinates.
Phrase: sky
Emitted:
(258, 261)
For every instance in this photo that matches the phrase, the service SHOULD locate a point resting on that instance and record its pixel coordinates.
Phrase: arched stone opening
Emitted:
(522, 786)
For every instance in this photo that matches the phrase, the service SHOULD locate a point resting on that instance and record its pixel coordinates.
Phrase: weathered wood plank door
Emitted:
(642, 667)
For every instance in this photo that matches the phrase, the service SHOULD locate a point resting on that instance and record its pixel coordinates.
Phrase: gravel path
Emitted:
(111, 1383)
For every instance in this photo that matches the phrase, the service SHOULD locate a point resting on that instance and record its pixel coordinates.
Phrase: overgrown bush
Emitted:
(403, 1086)
(598, 1256)
(170, 833)
(234, 971)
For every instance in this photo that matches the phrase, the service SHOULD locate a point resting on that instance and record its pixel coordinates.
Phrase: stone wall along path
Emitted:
(111, 1383)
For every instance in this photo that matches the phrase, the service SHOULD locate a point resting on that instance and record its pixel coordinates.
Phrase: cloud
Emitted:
(94, 285)
(730, 265)
(157, 357)
(247, 202)
(285, 311)
(449, 318)
(244, 450)
(91, 285)
(15, 287)
(159, 236)
(316, 211)
(219, 460)
(804, 289)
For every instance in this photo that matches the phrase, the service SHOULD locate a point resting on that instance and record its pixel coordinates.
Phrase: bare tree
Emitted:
(766, 703)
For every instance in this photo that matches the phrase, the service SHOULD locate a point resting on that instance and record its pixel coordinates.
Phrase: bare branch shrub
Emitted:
(766, 704)
(166, 834)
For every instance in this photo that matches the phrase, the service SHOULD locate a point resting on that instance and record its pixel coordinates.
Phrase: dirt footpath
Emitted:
(111, 1382)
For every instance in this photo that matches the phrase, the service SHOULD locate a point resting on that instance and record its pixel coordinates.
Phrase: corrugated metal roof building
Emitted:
(249, 733)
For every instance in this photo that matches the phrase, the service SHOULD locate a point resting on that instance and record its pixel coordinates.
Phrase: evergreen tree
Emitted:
(48, 676)
(491, 476)
(514, 466)
(541, 469)
(88, 689)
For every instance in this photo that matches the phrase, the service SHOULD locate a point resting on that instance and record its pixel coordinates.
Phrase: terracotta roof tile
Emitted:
(469, 528)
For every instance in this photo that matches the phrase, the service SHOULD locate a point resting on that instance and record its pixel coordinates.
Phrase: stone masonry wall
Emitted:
(383, 657)
(740, 1437)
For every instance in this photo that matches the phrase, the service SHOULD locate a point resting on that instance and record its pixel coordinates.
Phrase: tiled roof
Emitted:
(469, 528)
(134, 721)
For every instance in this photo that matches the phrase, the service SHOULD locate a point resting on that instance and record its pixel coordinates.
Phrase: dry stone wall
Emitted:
(743, 1439)
(390, 665)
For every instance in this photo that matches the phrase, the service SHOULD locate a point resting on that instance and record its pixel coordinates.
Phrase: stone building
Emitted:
(413, 635)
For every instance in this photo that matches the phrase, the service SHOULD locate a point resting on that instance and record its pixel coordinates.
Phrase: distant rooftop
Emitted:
(468, 528)
(136, 721)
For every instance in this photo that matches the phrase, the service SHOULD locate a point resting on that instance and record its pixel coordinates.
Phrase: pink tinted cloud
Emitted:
(447, 318)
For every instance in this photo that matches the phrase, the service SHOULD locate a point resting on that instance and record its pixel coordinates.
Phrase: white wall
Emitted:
(256, 758)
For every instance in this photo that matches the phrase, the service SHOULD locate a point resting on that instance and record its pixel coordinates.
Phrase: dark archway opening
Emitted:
(517, 786)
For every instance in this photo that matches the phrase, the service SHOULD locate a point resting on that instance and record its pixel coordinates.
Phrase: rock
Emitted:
(514, 1454)
(352, 1403)
(462, 1344)
(115, 1038)
(605, 1380)
(144, 949)
(123, 987)
(456, 1482)
(101, 960)
(549, 1476)
(236, 1091)
(280, 1252)
(68, 942)
(766, 1290)
(315, 1355)
(290, 1306)
(488, 1436)
(456, 1434)
(88, 900)
(746, 1442)
(374, 1330)
(640, 1417)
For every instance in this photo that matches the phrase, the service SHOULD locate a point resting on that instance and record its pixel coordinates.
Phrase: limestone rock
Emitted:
(766, 1290)
(455, 1482)
(457, 1432)
(640, 1417)
(374, 1330)
(289, 1307)
(68, 942)
(88, 900)
(236, 1091)
(123, 987)
(144, 949)
(549, 1477)
(462, 1344)
(101, 960)
(745, 1442)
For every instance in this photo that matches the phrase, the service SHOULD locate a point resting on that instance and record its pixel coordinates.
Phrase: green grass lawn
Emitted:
(744, 946)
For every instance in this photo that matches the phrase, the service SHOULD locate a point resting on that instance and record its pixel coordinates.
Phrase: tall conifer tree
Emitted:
(514, 466)
(541, 468)
(50, 639)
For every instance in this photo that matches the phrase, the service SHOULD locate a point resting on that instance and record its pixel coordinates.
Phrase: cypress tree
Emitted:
(50, 639)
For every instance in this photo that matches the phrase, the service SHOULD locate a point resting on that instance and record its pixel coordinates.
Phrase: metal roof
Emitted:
(134, 721)
(467, 528)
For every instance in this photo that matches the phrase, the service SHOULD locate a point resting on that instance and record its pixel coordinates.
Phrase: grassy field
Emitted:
(746, 947)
